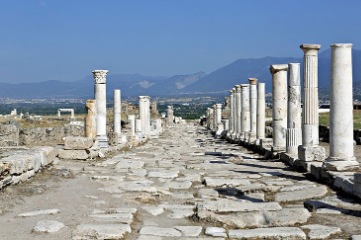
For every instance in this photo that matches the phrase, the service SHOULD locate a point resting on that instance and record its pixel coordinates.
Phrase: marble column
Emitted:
(170, 116)
(231, 102)
(226, 124)
(294, 130)
(238, 117)
(138, 126)
(131, 120)
(253, 109)
(219, 126)
(211, 119)
(101, 101)
(90, 119)
(117, 114)
(279, 108)
(246, 115)
(341, 110)
(144, 114)
(261, 111)
(310, 149)
(215, 124)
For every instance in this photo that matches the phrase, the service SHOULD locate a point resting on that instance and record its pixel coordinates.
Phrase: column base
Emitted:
(278, 149)
(266, 142)
(252, 137)
(335, 164)
(292, 150)
(103, 141)
(311, 153)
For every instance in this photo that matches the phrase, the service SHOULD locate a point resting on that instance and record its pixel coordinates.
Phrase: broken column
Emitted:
(310, 149)
(279, 108)
(131, 120)
(101, 102)
(294, 130)
(253, 109)
(261, 112)
(341, 110)
(117, 115)
(238, 110)
(170, 115)
(245, 115)
(90, 119)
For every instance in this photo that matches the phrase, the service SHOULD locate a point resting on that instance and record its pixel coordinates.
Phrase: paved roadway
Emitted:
(183, 185)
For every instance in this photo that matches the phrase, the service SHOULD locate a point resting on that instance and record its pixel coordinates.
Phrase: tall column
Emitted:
(253, 109)
(279, 108)
(170, 116)
(341, 110)
(131, 119)
(147, 112)
(238, 111)
(117, 114)
(90, 119)
(310, 149)
(261, 111)
(211, 120)
(215, 124)
(144, 114)
(231, 102)
(245, 122)
(294, 131)
(101, 101)
(219, 126)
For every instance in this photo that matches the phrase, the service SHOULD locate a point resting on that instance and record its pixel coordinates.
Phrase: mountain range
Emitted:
(219, 81)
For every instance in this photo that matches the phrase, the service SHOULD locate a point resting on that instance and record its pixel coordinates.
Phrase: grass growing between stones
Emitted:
(324, 119)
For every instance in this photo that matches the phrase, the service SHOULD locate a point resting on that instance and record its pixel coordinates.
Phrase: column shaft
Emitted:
(117, 112)
(253, 109)
(245, 118)
(261, 111)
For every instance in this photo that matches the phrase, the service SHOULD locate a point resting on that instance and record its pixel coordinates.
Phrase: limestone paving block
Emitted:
(219, 182)
(178, 185)
(153, 210)
(73, 154)
(114, 217)
(216, 232)
(100, 231)
(48, 226)
(40, 212)
(279, 233)
(189, 231)
(163, 174)
(300, 195)
(225, 205)
(78, 143)
(129, 164)
(160, 231)
(317, 231)
(207, 193)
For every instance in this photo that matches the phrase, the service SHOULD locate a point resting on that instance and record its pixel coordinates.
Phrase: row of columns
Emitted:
(296, 128)
(96, 119)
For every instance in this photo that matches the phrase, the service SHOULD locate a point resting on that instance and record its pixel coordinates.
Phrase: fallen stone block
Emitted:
(78, 143)
(73, 154)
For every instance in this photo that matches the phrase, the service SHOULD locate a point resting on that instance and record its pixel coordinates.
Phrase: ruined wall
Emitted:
(9, 135)
(49, 135)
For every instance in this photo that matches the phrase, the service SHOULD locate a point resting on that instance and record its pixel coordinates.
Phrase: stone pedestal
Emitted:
(117, 115)
(279, 108)
(341, 111)
(261, 111)
(253, 109)
(90, 119)
(294, 131)
(101, 102)
(245, 115)
(310, 149)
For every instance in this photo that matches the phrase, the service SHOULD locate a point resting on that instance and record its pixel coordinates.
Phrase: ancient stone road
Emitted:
(184, 185)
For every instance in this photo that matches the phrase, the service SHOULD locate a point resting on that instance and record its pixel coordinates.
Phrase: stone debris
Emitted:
(48, 226)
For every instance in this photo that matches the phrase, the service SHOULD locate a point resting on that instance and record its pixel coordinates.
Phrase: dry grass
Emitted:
(325, 119)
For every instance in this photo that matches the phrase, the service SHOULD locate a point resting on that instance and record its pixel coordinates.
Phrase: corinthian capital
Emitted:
(100, 76)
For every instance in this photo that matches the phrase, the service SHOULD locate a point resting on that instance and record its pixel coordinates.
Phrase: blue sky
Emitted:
(66, 39)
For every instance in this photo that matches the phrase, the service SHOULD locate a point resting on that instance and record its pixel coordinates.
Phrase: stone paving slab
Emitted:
(279, 233)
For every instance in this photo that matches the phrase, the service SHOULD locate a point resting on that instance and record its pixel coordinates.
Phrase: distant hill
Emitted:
(219, 81)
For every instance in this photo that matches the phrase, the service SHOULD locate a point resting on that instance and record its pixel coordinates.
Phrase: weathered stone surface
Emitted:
(299, 195)
(216, 232)
(154, 210)
(279, 233)
(159, 231)
(78, 143)
(101, 231)
(48, 226)
(73, 154)
(189, 231)
(317, 231)
(207, 193)
(163, 174)
(129, 164)
(114, 217)
(225, 205)
(177, 185)
(219, 182)
(40, 212)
